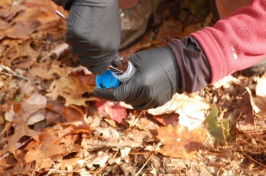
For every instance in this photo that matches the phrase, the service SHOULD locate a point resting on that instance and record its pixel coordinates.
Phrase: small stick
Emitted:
(60, 15)
(11, 72)
(151, 155)
(255, 160)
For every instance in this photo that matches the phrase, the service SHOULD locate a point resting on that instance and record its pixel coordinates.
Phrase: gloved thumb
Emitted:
(104, 93)
(117, 61)
(120, 93)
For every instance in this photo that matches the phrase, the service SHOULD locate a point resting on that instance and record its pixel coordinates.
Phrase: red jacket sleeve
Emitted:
(236, 42)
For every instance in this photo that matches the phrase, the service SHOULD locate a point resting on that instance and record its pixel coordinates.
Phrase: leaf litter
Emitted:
(51, 124)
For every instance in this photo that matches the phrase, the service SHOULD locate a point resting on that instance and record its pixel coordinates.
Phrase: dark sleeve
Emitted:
(64, 3)
(193, 64)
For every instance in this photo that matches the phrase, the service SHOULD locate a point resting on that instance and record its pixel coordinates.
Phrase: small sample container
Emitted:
(111, 79)
(107, 80)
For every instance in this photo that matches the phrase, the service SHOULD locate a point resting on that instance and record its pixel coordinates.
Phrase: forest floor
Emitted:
(51, 124)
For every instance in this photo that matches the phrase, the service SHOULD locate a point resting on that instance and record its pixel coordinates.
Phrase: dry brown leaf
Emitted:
(167, 119)
(74, 113)
(50, 143)
(178, 142)
(168, 30)
(34, 155)
(45, 71)
(21, 129)
(18, 52)
(69, 164)
(36, 16)
(191, 109)
(32, 109)
(72, 87)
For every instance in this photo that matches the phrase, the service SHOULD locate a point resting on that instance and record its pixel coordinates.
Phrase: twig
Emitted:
(255, 160)
(151, 155)
(60, 15)
(18, 147)
(11, 72)
(4, 156)
(56, 52)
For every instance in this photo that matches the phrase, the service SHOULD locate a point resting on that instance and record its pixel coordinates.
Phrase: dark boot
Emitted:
(257, 69)
(134, 20)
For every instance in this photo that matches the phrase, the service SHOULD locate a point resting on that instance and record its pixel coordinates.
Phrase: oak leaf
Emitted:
(72, 87)
(21, 129)
(179, 142)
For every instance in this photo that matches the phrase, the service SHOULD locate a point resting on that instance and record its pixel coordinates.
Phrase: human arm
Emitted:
(235, 42)
(232, 44)
(159, 77)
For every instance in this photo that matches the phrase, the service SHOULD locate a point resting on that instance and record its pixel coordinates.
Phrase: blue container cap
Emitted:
(107, 80)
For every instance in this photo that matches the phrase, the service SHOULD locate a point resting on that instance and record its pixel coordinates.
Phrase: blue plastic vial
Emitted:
(107, 80)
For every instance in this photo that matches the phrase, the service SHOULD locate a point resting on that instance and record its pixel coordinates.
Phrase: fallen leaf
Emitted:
(49, 138)
(100, 159)
(180, 101)
(72, 86)
(74, 113)
(114, 110)
(226, 82)
(258, 104)
(46, 71)
(107, 133)
(10, 114)
(69, 164)
(35, 118)
(178, 142)
(191, 109)
(167, 119)
(260, 87)
(21, 129)
(18, 52)
(214, 127)
(31, 107)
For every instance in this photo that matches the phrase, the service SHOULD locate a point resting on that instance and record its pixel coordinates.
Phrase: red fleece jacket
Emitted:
(235, 42)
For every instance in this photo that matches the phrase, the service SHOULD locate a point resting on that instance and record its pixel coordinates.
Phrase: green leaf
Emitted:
(214, 127)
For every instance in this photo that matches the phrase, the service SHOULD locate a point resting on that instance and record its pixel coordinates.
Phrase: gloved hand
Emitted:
(156, 80)
(93, 33)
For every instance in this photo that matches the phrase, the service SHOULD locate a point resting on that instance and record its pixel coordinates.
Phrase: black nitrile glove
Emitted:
(93, 33)
(156, 80)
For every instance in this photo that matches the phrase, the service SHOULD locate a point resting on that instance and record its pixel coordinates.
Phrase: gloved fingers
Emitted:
(104, 93)
(121, 93)
(99, 69)
(95, 65)
(117, 61)
(143, 105)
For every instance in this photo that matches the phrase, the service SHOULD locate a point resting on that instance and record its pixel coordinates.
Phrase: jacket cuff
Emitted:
(193, 64)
